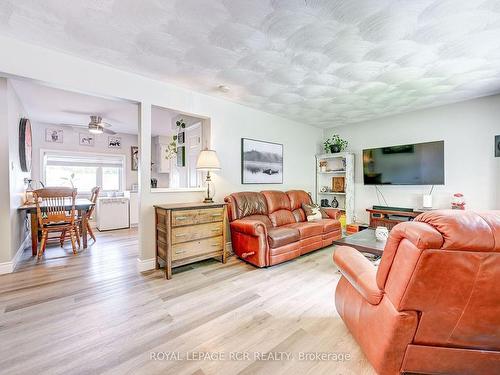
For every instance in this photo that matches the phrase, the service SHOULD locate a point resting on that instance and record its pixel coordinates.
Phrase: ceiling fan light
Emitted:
(95, 129)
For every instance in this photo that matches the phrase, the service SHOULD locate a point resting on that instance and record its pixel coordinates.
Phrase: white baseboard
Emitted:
(9, 267)
(146, 264)
(6, 267)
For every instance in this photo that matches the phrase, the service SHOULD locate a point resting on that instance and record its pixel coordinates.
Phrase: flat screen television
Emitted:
(413, 164)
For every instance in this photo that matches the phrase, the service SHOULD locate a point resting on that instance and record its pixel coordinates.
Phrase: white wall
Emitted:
(229, 122)
(71, 143)
(12, 222)
(468, 129)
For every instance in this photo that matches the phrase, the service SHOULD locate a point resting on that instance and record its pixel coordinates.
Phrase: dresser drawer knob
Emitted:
(181, 218)
(181, 235)
(180, 251)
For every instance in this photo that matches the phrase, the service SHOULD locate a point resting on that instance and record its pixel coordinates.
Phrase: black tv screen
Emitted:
(414, 164)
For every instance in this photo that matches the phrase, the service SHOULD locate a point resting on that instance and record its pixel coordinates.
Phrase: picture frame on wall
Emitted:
(114, 142)
(54, 135)
(181, 138)
(86, 139)
(181, 156)
(261, 162)
(497, 146)
(134, 157)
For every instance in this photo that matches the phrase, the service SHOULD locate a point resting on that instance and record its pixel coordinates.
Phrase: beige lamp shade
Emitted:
(208, 161)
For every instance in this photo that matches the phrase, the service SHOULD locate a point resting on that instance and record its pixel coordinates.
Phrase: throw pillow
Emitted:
(313, 212)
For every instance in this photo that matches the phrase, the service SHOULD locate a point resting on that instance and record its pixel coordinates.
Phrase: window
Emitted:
(83, 171)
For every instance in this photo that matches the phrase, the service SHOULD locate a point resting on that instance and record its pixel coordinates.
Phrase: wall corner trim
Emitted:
(145, 265)
(9, 267)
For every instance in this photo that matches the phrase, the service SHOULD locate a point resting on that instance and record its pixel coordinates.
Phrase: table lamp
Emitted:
(208, 161)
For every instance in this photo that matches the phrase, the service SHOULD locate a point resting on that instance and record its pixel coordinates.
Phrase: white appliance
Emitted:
(112, 213)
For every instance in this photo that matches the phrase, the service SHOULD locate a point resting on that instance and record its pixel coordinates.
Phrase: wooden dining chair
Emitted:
(53, 214)
(93, 198)
(94, 194)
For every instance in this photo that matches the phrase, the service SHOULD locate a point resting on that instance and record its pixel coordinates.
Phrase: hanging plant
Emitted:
(171, 150)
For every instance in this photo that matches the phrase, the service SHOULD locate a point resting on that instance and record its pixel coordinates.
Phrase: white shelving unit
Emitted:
(339, 164)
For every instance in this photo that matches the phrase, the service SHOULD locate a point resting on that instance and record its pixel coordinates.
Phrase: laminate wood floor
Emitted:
(94, 314)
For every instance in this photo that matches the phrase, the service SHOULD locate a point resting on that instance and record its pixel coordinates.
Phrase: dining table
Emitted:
(82, 206)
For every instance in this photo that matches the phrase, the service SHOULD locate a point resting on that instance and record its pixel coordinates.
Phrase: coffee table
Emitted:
(363, 241)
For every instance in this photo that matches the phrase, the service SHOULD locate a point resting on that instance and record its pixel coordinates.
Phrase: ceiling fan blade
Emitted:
(74, 125)
(108, 131)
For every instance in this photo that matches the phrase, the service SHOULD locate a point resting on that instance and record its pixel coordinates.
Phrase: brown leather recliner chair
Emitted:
(433, 305)
(270, 227)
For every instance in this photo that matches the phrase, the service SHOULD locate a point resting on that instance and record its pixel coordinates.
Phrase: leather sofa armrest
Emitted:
(251, 227)
(359, 272)
(333, 213)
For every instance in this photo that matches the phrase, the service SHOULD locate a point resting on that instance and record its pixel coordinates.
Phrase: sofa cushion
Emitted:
(263, 218)
(276, 200)
(282, 236)
(278, 206)
(246, 203)
(329, 225)
(307, 229)
(297, 199)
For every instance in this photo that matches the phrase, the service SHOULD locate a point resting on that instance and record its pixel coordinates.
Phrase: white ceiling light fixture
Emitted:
(95, 125)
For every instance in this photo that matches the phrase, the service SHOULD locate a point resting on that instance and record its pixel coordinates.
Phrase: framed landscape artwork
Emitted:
(261, 162)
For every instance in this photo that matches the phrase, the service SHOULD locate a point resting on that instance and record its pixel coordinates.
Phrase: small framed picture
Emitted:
(497, 146)
(114, 142)
(180, 138)
(338, 184)
(86, 139)
(53, 135)
(181, 156)
(134, 154)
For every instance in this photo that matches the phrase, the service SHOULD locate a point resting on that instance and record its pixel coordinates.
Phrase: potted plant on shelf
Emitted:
(335, 144)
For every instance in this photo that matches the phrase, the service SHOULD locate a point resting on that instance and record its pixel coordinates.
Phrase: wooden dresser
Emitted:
(189, 232)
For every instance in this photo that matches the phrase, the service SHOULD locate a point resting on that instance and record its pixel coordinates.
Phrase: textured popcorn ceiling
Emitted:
(325, 62)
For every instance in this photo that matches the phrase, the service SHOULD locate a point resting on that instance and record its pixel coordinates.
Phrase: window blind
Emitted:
(78, 160)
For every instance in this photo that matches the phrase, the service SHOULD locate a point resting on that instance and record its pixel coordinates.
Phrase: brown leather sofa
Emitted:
(270, 227)
(433, 305)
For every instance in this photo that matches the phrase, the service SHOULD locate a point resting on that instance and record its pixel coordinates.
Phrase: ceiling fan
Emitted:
(96, 126)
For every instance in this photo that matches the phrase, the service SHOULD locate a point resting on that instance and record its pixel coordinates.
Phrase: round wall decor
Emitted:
(25, 144)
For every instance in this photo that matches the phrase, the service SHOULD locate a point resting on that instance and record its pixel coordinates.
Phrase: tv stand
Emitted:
(390, 216)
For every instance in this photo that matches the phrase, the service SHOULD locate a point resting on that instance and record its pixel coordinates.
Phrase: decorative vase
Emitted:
(381, 234)
(335, 202)
(334, 149)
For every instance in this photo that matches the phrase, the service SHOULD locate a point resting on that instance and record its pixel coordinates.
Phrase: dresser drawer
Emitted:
(198, 216)
(194, 248)
(190, 233)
